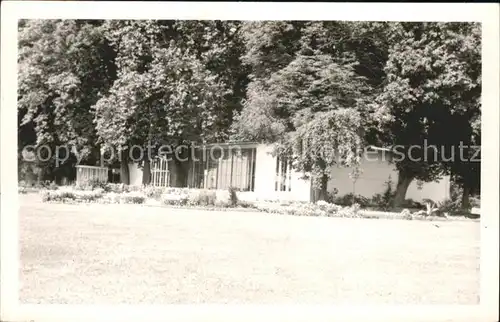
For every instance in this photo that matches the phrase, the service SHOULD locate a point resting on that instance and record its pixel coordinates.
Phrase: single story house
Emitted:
(257, 174)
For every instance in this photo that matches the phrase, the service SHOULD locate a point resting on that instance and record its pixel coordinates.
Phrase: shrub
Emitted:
(321, 208)
(350, 199)
(475, 201)
(92, 184)
(112, 197)
(117, 187)
(89, 196)
(410, 203)
(406, 214)
(174, 197)
(245, 204)
(332, 195)
(58, 195)
(202, 197)
(153, 192)
(49, 185)
(452, 208)
(233, 197)
(383, 201)
(21, 190)
(132, 198)
(226, 198)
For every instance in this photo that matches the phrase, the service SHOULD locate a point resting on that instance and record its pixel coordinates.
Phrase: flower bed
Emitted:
(216, 200)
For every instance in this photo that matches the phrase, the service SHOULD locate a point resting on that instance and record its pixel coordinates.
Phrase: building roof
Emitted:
(376, 148)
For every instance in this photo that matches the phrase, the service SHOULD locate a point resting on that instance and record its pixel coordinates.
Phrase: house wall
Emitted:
(135, 173)
(265, 174)
(375, 172)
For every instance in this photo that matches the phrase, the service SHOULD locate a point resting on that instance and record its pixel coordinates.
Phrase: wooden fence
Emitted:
(86, 173)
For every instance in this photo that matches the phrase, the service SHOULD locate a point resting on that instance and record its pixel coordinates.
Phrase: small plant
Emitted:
(406, 214)
(332, 195)
(233, 197)
(431, 208)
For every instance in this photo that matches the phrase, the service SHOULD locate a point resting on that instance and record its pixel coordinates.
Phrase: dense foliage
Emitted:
(320, 91)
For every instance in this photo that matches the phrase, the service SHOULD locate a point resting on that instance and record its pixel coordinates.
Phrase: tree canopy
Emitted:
(318, 90)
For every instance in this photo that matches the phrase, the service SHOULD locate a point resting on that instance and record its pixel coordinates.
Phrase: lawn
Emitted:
(107, 254)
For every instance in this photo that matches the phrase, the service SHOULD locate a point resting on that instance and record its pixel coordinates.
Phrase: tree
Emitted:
(165, 93)
(63, 66)
(432, 91)
(306, 98)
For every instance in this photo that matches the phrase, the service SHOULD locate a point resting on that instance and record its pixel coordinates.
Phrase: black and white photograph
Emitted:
(223, 161)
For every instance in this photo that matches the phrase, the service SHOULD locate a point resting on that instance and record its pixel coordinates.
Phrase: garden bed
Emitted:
(219, 200)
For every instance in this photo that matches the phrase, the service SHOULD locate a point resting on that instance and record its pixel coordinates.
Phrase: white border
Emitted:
(488, 14)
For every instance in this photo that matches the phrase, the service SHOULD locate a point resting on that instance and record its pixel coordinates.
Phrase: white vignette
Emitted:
(487, 14)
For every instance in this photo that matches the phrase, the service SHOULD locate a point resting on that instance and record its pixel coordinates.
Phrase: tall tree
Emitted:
(307, 98)
(432, 91)
(63, 67)
(171, 88)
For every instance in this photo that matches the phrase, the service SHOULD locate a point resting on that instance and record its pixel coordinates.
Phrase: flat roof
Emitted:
(228, 144)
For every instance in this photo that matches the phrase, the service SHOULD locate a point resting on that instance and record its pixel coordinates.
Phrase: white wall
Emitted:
(437, 191)
(265, 173)
(135, 174)
(375, 172)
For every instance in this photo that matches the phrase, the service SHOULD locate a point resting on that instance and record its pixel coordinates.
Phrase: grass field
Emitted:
(85, 254)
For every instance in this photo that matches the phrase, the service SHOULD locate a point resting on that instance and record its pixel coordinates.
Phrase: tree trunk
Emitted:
(322, 191)
(465, 198)
(404, 181)
(146, 172)
(124, 172)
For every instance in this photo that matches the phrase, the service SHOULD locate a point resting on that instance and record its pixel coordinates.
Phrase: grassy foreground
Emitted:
(92, 253)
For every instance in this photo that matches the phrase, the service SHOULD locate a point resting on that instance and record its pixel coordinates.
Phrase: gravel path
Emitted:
(132, 254)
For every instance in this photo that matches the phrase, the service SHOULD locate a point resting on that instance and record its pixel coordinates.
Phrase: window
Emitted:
(232, 167)
(283, 175)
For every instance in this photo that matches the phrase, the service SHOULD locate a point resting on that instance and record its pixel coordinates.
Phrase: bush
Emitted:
(350, 199)
(153, 192)
(92, 184)
(245, 204)
(132, 198)
(89, 196)
(383, 201)
(117, 187)
(21, 190)
(175, 197)
(202, 197)
(58, 195)
(233, 197)
(321, 208)
(412, 204)
(452, 208)
(49, 185)
(112, 197)
(406, 214)
(66, 195)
